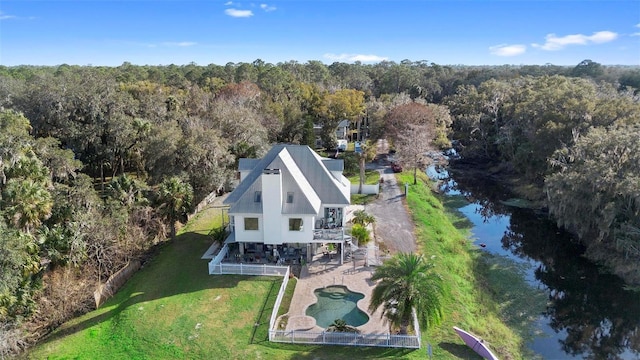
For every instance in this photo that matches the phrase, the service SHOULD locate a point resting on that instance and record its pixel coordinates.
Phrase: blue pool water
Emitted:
(337, 302)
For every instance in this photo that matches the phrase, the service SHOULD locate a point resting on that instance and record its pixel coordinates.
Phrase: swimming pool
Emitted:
(337, 302)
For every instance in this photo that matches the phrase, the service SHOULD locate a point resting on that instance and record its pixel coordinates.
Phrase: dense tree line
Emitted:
(97, 164)
(574, 142)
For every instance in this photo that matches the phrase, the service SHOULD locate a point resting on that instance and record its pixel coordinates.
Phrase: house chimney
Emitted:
(272, 205)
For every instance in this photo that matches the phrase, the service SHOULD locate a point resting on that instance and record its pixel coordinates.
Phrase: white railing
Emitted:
(330, 234)
(216, 267)
(343, 338)
(246, 269)
(217, 260)
(276, 306)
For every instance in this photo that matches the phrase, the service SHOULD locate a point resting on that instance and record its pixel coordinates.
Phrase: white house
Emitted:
(290, 198)
(342, 131)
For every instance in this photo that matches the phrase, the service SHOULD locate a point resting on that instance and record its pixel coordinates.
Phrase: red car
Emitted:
(396, 167)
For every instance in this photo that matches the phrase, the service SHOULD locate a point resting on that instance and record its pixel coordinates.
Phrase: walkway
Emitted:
(393, 226)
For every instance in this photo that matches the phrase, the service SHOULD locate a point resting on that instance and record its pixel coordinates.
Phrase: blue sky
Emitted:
(471, 32)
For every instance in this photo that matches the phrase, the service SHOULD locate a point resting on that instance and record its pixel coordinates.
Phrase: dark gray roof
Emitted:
(343, 123)
(304, 173)
(333, 164)
(247, 164)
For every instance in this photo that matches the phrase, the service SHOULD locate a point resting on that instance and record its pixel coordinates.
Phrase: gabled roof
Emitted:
(343, 123)
(333, 164)
(305, 199)
(303, 172)
(247, 164)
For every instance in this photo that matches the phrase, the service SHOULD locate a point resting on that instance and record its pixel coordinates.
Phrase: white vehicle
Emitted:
(342, 145)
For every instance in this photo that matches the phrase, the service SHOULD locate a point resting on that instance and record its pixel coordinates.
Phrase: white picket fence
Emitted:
(216, 267)
(344, 338)
(247, 269)
(276, 306)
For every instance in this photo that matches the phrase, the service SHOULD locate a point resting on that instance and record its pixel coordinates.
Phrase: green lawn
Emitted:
(173, 309)
(372, 177)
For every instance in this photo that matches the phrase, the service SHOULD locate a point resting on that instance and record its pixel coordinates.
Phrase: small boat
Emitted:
(476, 344)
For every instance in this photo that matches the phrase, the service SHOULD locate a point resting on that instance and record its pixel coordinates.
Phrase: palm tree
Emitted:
(361, 217)
(26, 203)
(340, 325)
(367, 153)
(174, 196)
(408, 282)
(127, 190)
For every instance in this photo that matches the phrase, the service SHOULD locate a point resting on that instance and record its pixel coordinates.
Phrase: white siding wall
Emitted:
(272, 207)
(243, 235)
(243, 174)
(304, 236)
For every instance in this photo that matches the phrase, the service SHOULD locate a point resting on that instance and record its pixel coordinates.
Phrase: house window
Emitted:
(295, 224)
(257, 196)
(289, 197)
(251, 223)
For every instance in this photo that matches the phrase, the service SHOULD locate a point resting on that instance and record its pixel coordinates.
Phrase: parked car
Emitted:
(396, 167)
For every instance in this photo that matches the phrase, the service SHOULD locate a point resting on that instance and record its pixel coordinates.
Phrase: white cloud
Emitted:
(4, 16)
(228, 3)
(180, 44)
(267, 8)
(355, 57)
(554, 42)
(507, 50)
(638, 25)
(239, 13)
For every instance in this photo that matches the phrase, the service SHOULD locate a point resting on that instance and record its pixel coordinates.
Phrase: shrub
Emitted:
(361, 234)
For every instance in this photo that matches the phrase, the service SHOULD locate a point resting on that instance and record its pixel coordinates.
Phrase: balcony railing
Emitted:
(329, 235)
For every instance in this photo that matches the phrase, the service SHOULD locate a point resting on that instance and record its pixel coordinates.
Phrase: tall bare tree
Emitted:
(413, 129)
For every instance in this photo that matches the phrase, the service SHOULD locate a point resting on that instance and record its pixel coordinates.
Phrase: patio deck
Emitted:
(320, 274)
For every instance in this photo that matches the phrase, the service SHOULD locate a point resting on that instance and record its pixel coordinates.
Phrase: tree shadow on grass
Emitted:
(260, 333)
(175, 268)
(459, 351)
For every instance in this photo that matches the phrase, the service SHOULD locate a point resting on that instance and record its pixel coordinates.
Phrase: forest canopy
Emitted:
(97, 164)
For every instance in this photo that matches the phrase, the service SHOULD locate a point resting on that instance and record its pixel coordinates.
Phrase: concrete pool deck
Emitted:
(318, 275)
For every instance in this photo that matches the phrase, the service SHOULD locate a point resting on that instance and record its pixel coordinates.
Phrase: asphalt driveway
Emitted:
(393, 226)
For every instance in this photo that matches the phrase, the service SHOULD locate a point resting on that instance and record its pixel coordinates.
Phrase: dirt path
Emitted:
(393, 226)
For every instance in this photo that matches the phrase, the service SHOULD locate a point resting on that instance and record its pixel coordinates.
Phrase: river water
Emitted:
(589, 314)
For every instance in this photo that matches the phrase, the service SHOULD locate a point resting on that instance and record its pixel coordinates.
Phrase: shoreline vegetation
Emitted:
(487, 294)
(173, 308)
(531, 196)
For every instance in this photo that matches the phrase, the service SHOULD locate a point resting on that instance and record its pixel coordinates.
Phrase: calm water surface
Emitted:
(589, 314)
